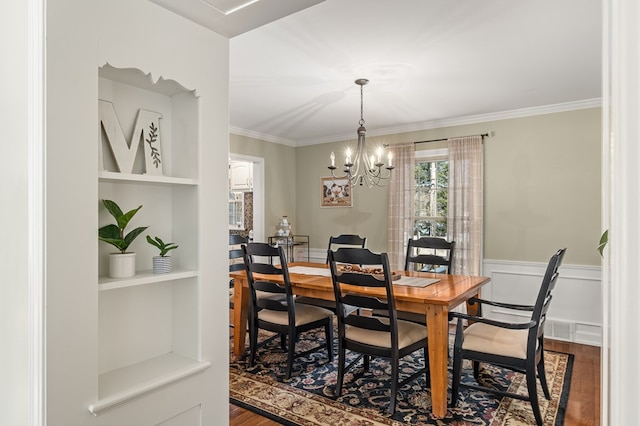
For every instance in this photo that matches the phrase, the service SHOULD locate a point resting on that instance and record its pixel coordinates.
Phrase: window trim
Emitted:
(431, 154)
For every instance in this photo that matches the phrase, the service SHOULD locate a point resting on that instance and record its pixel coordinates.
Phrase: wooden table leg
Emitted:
(240, 314)
(475, 308)
(438, 340)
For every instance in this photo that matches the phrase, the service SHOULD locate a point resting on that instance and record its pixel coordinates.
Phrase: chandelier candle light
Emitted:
(363, 169)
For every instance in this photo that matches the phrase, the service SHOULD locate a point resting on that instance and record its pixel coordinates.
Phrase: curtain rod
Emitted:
(484, 135)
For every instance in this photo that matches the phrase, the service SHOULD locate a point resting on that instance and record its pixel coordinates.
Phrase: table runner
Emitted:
(308, 270)
(325, 272)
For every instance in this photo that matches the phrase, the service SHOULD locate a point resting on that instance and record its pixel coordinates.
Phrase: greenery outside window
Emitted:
(431, 194)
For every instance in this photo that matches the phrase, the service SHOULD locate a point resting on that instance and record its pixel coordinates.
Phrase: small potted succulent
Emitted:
(162, 263)
(123, 263)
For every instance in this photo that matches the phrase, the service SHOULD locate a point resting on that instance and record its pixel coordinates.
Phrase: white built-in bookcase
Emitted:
(148, 330)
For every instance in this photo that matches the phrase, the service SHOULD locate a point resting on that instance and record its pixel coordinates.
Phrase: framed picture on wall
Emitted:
(335, 192)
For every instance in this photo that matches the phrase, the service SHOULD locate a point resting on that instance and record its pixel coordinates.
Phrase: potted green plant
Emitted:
(162, 263)
(123, 263)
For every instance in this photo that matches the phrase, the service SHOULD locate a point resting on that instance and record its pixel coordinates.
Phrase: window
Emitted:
(431, 195)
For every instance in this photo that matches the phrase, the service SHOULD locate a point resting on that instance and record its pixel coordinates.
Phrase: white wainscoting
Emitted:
(575, 313)
(318, 255)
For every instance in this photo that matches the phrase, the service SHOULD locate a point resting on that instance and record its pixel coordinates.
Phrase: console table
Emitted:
(296, 246)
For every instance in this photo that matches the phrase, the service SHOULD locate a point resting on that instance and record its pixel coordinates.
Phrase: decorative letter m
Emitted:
(147, 128)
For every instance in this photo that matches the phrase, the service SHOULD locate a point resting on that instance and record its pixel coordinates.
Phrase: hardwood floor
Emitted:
(584, 396)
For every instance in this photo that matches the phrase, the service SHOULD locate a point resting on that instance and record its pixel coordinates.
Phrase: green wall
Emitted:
(542, 187)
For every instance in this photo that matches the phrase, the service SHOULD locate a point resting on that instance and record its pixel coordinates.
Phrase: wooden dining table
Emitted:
(434, 301)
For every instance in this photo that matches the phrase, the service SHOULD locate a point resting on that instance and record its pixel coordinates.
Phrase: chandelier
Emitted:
(363, 168)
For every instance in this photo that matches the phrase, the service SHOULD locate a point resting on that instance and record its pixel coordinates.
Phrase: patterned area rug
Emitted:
(308, 397)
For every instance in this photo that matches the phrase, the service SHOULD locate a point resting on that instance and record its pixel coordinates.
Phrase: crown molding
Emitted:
(262, 136)
(433, 124)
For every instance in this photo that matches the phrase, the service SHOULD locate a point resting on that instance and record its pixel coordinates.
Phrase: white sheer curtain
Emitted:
(401, 200)
(465, 206)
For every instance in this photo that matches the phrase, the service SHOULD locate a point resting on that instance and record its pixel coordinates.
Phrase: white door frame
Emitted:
(620, 211)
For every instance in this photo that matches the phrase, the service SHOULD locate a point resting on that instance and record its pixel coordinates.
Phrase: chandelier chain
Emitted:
(361, 105)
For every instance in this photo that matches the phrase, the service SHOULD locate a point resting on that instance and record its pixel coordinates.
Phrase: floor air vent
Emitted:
(559, 330)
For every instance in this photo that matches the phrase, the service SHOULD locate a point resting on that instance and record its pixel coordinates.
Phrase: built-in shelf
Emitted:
(149, 324)
(132, 177)
(143, 278)
(120, 386)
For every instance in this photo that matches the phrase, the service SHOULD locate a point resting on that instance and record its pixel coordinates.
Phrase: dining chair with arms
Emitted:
(516, 346)
(236, 260)
(372, 336)
(342, 240)
(272, 306)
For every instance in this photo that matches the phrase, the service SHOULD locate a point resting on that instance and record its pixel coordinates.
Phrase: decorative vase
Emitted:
(283, 227)
(162, 264)
(122, 265)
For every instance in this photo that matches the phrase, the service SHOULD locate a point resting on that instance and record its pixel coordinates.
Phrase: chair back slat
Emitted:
(370, 323)
(236, 267)
(237, 239)
(429, 254)
(362, 279)
(270, 304)
(235, 253)
(265, 268)
(269, 287)
(364, 301)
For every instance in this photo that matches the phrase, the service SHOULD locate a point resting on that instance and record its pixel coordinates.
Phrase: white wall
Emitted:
(14, 255)
(81, 36)
(621, 201)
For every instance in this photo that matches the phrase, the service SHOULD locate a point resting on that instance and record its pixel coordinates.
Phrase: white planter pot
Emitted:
(122, 265)
(162, 265)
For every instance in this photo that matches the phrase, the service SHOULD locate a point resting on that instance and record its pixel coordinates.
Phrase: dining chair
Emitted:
(345, 240)
(372, 336)
(275, 309)
(426, 254)
(236, 260)
(516, 346)
(429, 254)
(342, 240)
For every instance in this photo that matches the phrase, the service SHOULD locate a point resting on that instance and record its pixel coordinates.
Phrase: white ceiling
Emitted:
(430, 63)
